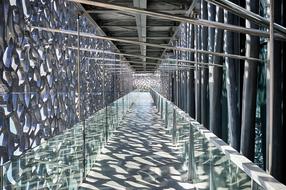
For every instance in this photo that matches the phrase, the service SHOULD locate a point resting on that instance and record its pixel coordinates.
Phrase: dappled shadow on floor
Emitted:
(140, 155)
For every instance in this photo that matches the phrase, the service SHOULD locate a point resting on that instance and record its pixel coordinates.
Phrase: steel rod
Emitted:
(270, 88)
(88, 16)
(122, 61)
(200, 22)
(175, 60)
(244, 13)
(148, 57)
(188, 13)
(89, 35)
(110, 64)
(178, 66)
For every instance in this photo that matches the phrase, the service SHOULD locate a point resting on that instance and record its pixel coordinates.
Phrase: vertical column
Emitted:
(197, 78)
(247, 143)
(270, 89)
(192, 104)
(204, 71)
(215, 73)
(276, 132)
(232, 43)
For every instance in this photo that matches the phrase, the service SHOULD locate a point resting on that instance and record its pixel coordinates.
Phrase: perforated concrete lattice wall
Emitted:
(38, 82)
(143, 82)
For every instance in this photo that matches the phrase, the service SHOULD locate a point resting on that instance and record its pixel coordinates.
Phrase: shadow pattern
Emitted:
(140, 155)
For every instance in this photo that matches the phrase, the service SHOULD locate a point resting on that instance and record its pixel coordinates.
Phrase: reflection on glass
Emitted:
(58, 162)
(208, 167)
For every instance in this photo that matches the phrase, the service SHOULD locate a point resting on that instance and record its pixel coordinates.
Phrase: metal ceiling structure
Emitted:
(69, 64)
(155, 24)
(139, 27)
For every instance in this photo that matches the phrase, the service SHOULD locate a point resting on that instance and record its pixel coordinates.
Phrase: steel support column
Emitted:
(192, 104)
(197, 77)
(215, 75)
(204, 71)
(232, 45)
(248, 121)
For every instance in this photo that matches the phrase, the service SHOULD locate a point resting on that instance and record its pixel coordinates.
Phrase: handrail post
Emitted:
(158, 103)
(191, 164)
(1, 177)
(166, 114)
(174, 127)
(162, 107)
(81, 118)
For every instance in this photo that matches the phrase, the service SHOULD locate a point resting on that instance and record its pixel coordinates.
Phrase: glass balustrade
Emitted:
(58, 163)
(207, 165)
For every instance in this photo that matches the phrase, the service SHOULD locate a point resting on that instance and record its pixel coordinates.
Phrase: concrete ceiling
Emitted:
(139, 27)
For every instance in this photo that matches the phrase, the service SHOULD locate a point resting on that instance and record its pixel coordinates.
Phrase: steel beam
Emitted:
(183, 19)
(148, 38)
(111, 11)
(92, 21)
(191, 8)
(187, 14)
(141, 26)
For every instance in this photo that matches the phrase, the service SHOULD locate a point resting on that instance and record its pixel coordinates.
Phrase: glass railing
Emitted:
(208, 161)
(61, 161)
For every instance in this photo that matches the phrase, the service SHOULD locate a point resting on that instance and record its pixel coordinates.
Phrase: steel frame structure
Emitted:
(193, 75)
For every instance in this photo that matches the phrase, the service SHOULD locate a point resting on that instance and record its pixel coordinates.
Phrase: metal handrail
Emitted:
(256, 174)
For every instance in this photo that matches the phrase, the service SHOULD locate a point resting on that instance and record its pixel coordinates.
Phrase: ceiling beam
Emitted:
(134, 33)
(111, 11)
(200, 22)
(132, 27)
(94, 23)
(129, 22)
(187, 14)
(148, 38)
(141, 21)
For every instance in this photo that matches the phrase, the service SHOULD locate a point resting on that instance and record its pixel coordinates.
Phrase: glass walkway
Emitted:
(142, 94)
(140, 155)
(140, 141)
